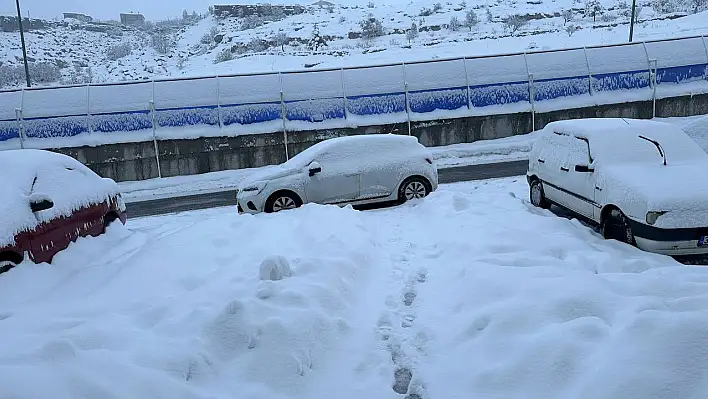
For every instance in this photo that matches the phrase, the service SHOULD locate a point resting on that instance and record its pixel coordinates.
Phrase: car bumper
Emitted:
(672, 248)
(250, 204)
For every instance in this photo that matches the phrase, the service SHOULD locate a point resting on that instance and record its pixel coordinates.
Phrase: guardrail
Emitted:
(537, 81)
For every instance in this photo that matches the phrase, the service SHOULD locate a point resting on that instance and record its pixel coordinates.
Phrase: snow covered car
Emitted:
(48, 201)
(643, 182)
(354, 170)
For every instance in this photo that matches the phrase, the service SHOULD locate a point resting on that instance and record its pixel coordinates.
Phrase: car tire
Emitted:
(282, 201)
(615, 226)
(8, 260)
(413, 188)
(108, 220)
(537, 196)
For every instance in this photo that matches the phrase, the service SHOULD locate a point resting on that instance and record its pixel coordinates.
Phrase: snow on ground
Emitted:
(469, 292)
(513, 148)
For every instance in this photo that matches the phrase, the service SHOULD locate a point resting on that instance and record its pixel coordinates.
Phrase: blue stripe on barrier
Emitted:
(65, 126)
(422, 101)
(630, 80)
(315, 110)
(681, 73)
(246, 114)
(377, 104)
(499, 94)
(9, 130)
(121, 121)
(187, 116)
(549, 89)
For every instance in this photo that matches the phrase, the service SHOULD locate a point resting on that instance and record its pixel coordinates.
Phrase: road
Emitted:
(228, 198)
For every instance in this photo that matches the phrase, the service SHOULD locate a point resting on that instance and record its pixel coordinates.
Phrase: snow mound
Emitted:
(274, 268)
(172, 308)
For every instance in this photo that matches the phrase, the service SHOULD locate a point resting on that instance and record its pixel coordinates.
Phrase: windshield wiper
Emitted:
(658, 146)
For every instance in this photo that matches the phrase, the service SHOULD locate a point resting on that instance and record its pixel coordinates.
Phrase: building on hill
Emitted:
(323, 4)
(78, 16)
(132, 19)
(244, 10)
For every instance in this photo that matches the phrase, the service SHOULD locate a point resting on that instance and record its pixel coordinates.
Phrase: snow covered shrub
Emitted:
(371, 4)
(274, 268)
(593, 8)
(471, 19)
(489, 15)
(118, 51)
(161, 42)
(425, 12)
(371, 27)
(257, 45)
(608, 17)
(77, 75)
(567, 16)
(437, 7)
(342, 19)
(515, 22)
(454, 24)
(223, 56)
(44, 72)
(412, 32)
(570, 29)
(251, 22)
(281, 39)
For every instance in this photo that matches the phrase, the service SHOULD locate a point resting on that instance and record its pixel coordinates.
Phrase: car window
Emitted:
(578, 152)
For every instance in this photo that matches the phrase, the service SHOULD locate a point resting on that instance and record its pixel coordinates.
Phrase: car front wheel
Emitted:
(413, 188)
(282, 201)
(616, 227)
(536, 195)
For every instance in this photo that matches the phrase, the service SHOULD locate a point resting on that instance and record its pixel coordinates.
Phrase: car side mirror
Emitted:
(315, 168)
(584, 169)
(40, 202)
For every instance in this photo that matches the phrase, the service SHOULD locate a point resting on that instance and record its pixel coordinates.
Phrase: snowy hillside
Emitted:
(344, 35)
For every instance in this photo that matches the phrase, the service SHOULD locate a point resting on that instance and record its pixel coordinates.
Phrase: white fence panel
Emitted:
(682, 52)
(491, 70)
(9, 101)
(62, 101)
(436, 75)
(249, 89)
(560, 64)
(614, 59)
(186, 93)
(312, 85)
(376, 80)
(120, 97)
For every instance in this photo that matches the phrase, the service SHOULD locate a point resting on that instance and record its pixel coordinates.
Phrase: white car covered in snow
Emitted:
(643, 182)
(354, 170)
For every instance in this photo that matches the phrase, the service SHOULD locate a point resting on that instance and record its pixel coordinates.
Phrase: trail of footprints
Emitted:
(397, 329)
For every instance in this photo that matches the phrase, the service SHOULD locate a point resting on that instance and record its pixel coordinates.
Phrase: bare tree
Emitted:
(570, 29)
(567, 16)
(471, 19)
(593, 8)
(412, 32)
(454, 24)
(515, 22)
(281, 39)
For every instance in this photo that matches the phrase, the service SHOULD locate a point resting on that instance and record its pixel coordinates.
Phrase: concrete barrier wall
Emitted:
(137, 161)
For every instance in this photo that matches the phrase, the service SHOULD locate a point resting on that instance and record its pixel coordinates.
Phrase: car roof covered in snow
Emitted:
(616, 140)
(384, 139)
(67, 182)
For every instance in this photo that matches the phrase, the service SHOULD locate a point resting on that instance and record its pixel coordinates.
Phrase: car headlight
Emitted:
(653, 215)
(256, 187)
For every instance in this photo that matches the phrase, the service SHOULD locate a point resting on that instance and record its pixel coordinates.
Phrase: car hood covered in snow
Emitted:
(67, 182)
(268, 173)
(679, 189)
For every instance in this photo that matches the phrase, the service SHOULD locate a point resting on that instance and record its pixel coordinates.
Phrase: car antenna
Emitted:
(658, 146)
(625, 121)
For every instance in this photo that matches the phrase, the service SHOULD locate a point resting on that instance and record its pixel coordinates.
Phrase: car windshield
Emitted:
(646, 149)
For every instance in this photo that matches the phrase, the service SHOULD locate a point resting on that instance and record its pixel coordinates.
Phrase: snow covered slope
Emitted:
(471, 292)
(282, 42)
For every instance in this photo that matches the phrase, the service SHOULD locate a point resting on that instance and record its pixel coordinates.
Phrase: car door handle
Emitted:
(564, 169)
(350, 174)
(541, 160)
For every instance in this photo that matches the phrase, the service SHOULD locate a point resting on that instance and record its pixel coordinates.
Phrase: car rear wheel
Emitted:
(537, 196)
(282, 201)
(413, 188)
(9, 260)
(615, 226)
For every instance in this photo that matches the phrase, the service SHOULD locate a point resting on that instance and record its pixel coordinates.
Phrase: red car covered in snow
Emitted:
(48, 201)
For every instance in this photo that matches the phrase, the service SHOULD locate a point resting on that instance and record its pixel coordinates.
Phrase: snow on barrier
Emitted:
(291, 101)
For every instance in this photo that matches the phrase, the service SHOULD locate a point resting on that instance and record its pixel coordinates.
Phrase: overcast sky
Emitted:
(109, 9)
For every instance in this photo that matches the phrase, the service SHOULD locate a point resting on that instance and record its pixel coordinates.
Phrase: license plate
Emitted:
(703, 241)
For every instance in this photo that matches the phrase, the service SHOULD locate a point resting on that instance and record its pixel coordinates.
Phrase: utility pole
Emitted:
(22, 38)
(631, 21)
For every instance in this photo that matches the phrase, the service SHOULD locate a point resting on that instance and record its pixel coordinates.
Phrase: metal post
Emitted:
(405, 88)
(154, 131)
(532, 94)
(631, 21)
(705, 46)
(467, 82)
(652, 80)
(22, 39)
(88, 108)
(587, 61)
(20, 126)
(344, 95)
(284, 117)
(218, 102)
